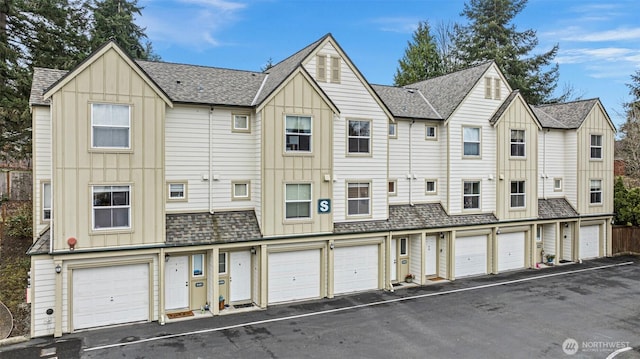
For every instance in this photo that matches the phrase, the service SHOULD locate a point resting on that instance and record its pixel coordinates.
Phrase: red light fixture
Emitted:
(71, 241)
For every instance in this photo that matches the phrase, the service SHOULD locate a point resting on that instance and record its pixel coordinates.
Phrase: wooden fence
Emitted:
(625, 240)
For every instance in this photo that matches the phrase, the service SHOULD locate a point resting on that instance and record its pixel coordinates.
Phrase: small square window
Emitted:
(241, 123)
(393, 130)
(557, 184)
(241, 190)
(430, 187)
(430, 132)
(177, 191)
(392, 188)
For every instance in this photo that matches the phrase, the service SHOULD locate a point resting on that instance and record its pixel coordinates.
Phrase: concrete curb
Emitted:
(14, 340)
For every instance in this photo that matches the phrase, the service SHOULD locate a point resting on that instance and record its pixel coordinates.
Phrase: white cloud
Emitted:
(218, 4)
(404, 25)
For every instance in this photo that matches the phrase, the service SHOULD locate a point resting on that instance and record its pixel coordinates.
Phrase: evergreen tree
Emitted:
(115, 20)
(630, 130)
(491, 35)
(421, 58)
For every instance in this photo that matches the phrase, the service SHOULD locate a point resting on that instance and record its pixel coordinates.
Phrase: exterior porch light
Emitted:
(441, 235)
(253, 250)
(498, 231)
(331, 245)
(167, 257)
(58, 269)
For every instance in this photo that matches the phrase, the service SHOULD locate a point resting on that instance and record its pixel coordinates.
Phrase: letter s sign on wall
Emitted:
(324, 206)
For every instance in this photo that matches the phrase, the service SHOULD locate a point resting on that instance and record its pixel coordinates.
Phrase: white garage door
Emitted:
(294, 275)
(110, 295)
(510, 251)
(471, 256)
(355, 268)
(589, 240)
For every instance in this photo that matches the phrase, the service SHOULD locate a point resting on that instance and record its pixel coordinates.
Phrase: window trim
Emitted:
(42, 201)
(479, 195)
(369, 153)
(93, 147)
(522, 194)
(557, 189)
(479, 155)
(393, 125)
(395, 187)
(523, 143)
(321, 69)
(310, 135)
(591, 192)
(426, 132)
(335, 68)
(128, 228)
(593, 147)
(370, 198)
(193, 265)
(184, 190)
(401, 252)
(426, 186)
(234, 196)
(240, 129)
(226, 262)
(310, 201)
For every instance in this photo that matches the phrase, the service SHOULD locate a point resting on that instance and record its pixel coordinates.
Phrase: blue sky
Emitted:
(599, 40)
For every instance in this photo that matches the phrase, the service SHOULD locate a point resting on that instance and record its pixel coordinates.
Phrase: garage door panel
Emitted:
(511, 251)
(356, 268)
(294, 275)
(470, 256)
(110, 295)
(589, 242)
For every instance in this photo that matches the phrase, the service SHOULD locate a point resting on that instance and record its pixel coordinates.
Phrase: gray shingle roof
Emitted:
(41, 245)
(204, 228)
(554, 208)
(419, 216)
(503, 107)
(569, 115)
(406, 102)
(42, 80)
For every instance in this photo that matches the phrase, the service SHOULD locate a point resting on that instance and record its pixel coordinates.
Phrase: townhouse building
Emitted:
(163, 188)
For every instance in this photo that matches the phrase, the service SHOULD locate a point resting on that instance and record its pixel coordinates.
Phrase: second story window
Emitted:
(595, 192)
(111, 207)
(241, 123)
(430, 132)
(517, 194)
(596, 147)
(298, 133)
(110, 126)
(359, 136)
(46, 201)
(358, 199)
(393, 130)
(471, 141)
(471, 199)
(298, 201)
(517, 143)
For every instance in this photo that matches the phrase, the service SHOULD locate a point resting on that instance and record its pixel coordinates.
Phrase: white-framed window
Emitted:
(539, 234)
(517, 194)
(241, 190)
(298, 133)
(471, 198)
(241, 123)
(46, 201)
(222, 263)
(335, 69)
(557, 184)
(197, 265)
(359, 136)
(358, 199)
(517, 143)
(393, 130)
(471, 141)
(110, 126)
(177, 191)
(595, 192)
(430, 186)
(392, 187)
(298, 200)
(111, 207)
(596, 147)
(430, 132)
(404, 249)
(321, 68)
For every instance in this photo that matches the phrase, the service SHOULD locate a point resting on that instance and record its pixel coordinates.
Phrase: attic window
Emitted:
(335, 70)
(321, 68)
(492, 88)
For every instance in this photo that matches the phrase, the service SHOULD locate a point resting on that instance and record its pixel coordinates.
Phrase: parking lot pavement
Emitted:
(586, 310)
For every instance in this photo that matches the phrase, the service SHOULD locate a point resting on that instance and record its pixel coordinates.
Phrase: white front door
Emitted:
(394, 260)
(293, 275)
(511, 251)
(110, 295)
(430, 256)
(240, 276)
(589, 240)
(355, 268)
(176, 282)
(471, 256)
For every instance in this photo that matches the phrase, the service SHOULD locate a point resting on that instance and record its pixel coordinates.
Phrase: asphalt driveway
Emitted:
(588, 310)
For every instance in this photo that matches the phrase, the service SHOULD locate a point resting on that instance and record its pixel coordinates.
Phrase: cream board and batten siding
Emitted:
(297, 97)
(425, 163)
(475, 111)
(551, 165)
(44, 282)
(41, 161)
(517, 117)
(595, 123)
(355, 102)
(108, 78)
(193, 134)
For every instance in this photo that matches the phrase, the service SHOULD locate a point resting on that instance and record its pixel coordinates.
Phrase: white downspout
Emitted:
(544, 164)
(410, 175)
(210, 160)
(51, 177)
